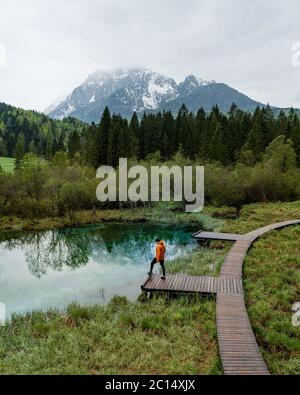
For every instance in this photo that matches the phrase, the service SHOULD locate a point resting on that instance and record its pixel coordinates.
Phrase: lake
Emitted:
(41, 270)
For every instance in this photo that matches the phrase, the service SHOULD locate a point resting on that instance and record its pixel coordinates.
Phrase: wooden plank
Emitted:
(179, 282)
(187, 284)
(238, 347)
(172, 282)
(201, 283)
(217, 236)
(193, 284)
(183, 283)
(154, 282)
(205, 284)
(235, 336)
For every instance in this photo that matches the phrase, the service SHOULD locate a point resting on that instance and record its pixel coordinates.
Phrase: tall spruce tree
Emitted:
(89, 148)
(19, 151)
(256, 138)
(134, 124)
(294, 132)
(133, 135)
(202, 134)
(102, 138)
(74, 144)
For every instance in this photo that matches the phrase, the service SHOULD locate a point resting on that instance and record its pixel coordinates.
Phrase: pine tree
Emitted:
(294, 132)
(168, 146)
(142, 137)
(19, 151)
(73, 144)
(134, 124)
(134, 127)
(256, 139)
(182, 129)
(102, 137)
(61, 142)
(32, 148)
(49, 148)
(213, 123)
(217, 149)
(202, 133)
(3, 150)
(116, 143)
(282, 125)
(89, 149)
(234, 132)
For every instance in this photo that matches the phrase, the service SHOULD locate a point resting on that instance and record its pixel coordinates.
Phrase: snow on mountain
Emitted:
(55, 104)
(190, 84)
(159, 89)
(127, 90)
(138, 89)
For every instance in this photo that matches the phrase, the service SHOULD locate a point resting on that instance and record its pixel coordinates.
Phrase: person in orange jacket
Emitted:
(159, 258)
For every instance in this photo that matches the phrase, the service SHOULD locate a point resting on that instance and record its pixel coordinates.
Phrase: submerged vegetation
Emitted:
(251, 163)
(146, 336)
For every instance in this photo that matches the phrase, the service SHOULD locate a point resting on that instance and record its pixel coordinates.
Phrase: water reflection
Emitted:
(52, 250)
(104, 244)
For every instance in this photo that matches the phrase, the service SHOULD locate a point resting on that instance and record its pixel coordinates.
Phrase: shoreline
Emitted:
(90, 217)
(131, 324)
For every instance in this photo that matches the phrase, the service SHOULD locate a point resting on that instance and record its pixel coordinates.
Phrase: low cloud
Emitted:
(54, 44)
(296, 54)
(2, 55)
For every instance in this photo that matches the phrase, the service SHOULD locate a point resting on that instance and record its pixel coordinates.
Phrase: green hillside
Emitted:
(7, 164)
(23, 131)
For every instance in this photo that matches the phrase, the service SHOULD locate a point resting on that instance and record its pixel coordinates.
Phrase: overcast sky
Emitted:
(48, 47)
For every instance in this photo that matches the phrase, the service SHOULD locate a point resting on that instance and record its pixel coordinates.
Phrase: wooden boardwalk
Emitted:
(238, 348)
(217, 236)
(181, 283)
(178, 283)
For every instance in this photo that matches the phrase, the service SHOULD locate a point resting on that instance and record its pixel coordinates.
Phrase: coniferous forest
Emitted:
(248, 157)
(226, 138)
(24, 131)
(149, 190)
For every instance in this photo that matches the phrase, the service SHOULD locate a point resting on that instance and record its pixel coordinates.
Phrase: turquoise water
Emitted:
(41, 270)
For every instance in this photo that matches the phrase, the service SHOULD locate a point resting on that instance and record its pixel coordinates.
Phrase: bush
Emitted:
(39, 189)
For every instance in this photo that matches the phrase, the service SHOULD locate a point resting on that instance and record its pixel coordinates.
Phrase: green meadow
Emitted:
(177, 335)
(7, 164)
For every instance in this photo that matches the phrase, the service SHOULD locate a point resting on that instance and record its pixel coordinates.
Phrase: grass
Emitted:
(201, 262)
(254, 216)
(161, 213)
(272, 278)
(271, 282)
(172, 336)
(155, 337)
(161, 336)
(7, 164)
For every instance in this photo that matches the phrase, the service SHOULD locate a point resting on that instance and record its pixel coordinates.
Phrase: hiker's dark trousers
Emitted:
(162, 264)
